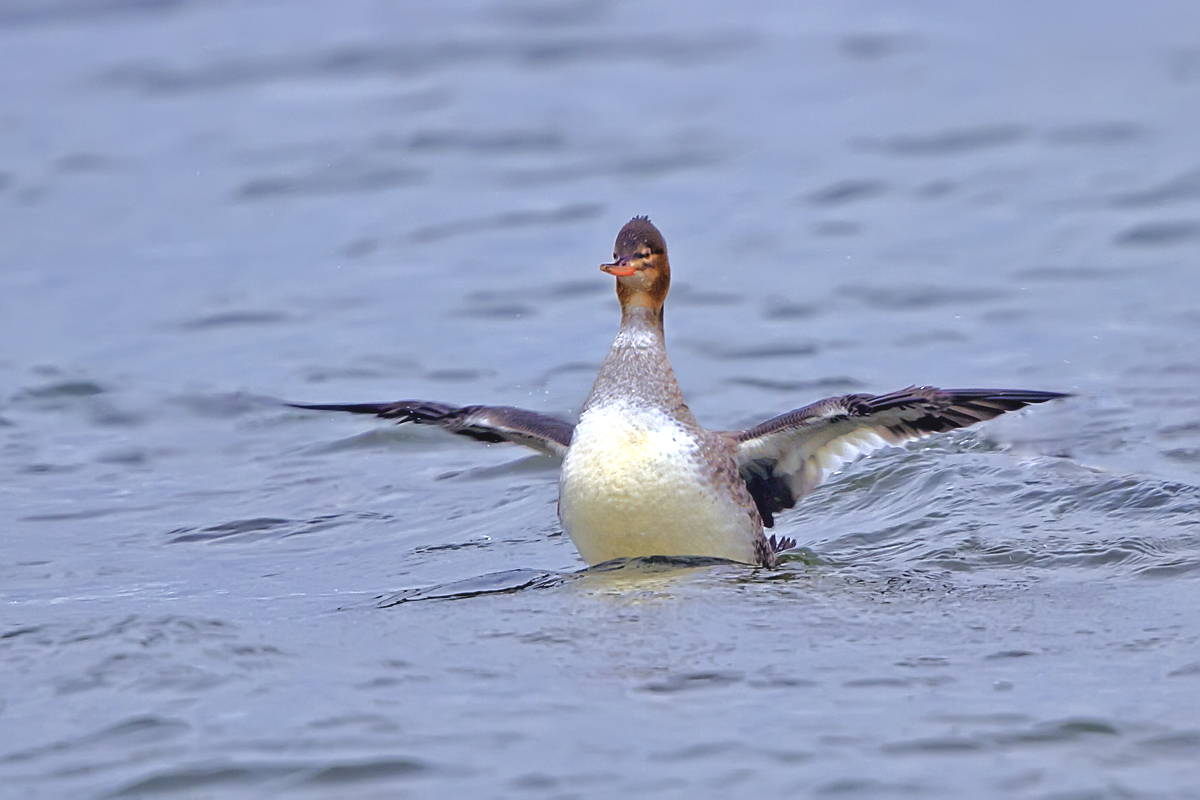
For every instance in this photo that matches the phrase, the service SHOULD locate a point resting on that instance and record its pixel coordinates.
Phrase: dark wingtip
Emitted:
(1017, 398)
(420, 411)
(1027, 395)
(353, 408)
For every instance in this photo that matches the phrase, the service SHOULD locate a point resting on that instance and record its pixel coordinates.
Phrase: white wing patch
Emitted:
(814, 461)
(788, 456)
(827, 460)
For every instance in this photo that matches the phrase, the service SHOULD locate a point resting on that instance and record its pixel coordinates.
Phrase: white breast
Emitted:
(633, 484)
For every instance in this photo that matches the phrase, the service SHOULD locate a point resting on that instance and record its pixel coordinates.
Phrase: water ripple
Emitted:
(952, 142)
(975, 513)
(1163, 233)
(361, 59)
(255, 528)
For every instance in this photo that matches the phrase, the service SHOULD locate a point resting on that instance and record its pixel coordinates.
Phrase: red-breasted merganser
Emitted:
(641, 477)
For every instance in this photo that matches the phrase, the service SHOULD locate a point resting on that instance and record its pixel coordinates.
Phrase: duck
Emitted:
(641, 477)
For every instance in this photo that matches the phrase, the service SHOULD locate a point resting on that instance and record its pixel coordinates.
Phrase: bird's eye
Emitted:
(644, 254)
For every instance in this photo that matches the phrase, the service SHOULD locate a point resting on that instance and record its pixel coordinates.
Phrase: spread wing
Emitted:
(482, 423)
(788, 456)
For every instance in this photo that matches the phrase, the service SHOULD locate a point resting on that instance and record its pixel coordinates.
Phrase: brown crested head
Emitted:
(640, 265)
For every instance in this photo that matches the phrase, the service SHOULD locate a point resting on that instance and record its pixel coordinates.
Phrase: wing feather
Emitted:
(788, 456)
(545, 434)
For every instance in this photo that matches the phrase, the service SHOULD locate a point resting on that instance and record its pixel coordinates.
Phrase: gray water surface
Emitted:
(204, 203)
